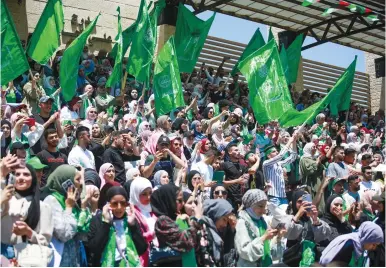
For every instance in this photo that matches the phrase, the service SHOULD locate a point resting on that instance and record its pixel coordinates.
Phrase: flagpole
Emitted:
(226, 81)
(123, 86)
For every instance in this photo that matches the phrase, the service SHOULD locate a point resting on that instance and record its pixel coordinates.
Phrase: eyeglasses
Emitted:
(218, 192)
(115, 204)
(177, 144)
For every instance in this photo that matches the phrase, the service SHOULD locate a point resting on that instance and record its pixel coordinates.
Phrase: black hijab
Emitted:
(178, 123)
(190, 177)
(7, 140)
(34, 208)
(103, 196)
(127, 186)
(116, 190)
(163, 201)
(205, 113)
(328, 217)
(91, 177)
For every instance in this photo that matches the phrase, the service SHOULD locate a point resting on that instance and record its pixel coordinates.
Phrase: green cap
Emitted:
(35, 163)
(67, 122)
(333, 182)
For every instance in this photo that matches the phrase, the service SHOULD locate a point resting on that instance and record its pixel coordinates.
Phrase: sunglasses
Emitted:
(121, 203)
(218, 192)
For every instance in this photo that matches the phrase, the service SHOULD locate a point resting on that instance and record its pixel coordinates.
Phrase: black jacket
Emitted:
(98, 237)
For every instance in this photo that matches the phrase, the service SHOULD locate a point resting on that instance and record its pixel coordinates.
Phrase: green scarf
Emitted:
(357, 263)
(11, 96)
(308, 253)
(369, 214)
(266, 260)
(62, 201)
(188, 258)
(131, 252)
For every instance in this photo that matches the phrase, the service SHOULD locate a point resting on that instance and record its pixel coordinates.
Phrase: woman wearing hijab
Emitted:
(140, 193)
(160, 178)
(311, 171)
(106, 173)
(149, 110)
(91, 117)
(180, 126)
(335, 219)
(143, 127)
(197, 128)
(103, 100)
(115, 239)
(91, 177)
(24, 217)
(70, 214)
(6, 137)
(217, 135)
(132, 174)
(253, 235)
(167, 203)
(350, 248)
(103, 195)
(304, 224)
(193, 179)
(219, 220)
(97, 135)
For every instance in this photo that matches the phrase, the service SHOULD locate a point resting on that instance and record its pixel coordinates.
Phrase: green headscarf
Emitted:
(58, 177)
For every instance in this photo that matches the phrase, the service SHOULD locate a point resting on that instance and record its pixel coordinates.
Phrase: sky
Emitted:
(240, 30)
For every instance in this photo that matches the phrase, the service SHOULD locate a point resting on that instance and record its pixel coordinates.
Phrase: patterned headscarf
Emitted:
(252, 197)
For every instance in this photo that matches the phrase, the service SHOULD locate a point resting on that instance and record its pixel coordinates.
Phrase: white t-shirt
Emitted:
(205, 170)
(369, 186)
(80, 157)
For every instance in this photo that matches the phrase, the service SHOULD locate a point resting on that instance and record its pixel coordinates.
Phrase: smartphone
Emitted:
(11, 179)
(218, 176)
(307, 198)
(67, 184)
(30, 122)
(280, 226)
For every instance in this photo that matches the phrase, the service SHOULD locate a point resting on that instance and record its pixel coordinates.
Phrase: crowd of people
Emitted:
(100, 180)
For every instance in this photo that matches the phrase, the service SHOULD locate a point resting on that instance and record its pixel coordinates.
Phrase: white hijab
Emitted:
(136, 188)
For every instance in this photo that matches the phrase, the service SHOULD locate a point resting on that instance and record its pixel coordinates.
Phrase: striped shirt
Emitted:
(273, 172)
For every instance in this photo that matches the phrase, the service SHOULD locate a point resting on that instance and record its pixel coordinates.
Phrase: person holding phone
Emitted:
(115, 238)
(24, 218)
(71, 217)
(254, 239)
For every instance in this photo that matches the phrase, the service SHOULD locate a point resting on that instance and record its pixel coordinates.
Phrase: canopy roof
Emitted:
(342, 26)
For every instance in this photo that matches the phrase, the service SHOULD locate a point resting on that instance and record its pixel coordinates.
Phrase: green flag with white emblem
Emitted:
(167, 83)
(191, 33)
(13, 59)
(269, 96)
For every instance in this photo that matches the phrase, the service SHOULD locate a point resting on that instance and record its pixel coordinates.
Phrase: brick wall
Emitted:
(377, 85)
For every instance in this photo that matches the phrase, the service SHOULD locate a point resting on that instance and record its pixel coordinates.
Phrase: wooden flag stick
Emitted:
(187, 80)
(123, 86)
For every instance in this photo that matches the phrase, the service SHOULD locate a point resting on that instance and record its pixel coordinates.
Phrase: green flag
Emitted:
(127, 36)
(117, 72)
(256, 42)
(13, 59)
(342, 90)
(167, 83)
(142, 52)
(46, 37)
(293, 58)
(338, 98)
(70, 62)
(269, 96)
(270, 35)
(191, 33)
(284, 63)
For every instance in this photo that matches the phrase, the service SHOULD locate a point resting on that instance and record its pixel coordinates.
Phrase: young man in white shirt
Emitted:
(79, 155)
(367, 184)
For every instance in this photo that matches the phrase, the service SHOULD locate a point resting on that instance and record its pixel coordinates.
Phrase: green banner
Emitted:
(13, 59)
(70, 62)
(45, 39)
(293, 55)
(167, 83)
(127, 37)
(269, 96)
(191, 33)
(117, 72)
(256, 42)
(338, 99)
